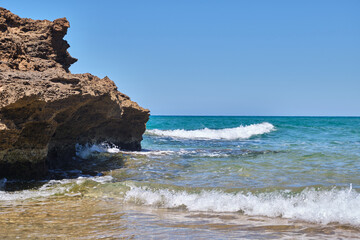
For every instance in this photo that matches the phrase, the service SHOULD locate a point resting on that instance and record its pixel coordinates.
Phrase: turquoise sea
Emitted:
(203, 178)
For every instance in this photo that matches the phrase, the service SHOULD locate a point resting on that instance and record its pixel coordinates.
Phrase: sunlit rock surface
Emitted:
(45, 110)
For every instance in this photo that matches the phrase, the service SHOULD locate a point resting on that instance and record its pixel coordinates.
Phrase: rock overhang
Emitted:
(45, 110)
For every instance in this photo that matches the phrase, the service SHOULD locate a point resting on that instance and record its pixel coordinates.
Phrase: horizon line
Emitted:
(191, 115)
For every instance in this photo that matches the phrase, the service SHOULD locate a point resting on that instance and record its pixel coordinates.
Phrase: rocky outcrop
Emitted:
(45, 110)
(28, 44)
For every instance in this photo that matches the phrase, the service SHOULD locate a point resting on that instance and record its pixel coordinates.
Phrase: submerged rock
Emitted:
(45, 110)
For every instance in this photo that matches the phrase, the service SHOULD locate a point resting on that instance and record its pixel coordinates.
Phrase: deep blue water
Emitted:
(242, 152)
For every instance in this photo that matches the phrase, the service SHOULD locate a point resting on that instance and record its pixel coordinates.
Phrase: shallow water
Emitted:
(203, 177)
(91, 218)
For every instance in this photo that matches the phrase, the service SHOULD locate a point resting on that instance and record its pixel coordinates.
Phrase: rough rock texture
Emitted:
(45, 110)
(28, 44)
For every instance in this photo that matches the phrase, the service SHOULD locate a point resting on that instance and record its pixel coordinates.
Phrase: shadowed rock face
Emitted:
(45, 110)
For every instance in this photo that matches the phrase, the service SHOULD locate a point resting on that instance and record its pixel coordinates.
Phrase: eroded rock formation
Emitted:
(45, 110)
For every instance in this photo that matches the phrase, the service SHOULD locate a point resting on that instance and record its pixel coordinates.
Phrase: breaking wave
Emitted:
(86, 151)
(241, 132)
(324, 206)
(311, 205)
(50, 188)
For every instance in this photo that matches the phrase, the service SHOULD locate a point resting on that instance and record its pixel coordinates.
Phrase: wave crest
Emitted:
(241, 132)
(311, 205)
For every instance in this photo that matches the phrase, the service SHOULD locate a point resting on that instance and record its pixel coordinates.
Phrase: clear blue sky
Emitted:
(204, 57)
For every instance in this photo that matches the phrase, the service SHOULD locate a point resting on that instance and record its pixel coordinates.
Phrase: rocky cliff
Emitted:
(45, 110)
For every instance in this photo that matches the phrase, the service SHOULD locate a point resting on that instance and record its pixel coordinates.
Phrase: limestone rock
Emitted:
(28, 44)
(45, 110)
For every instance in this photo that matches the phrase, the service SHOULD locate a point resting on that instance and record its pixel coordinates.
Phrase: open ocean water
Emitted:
(202, 178)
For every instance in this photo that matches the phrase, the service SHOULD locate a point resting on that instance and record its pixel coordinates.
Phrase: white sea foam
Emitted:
(99, 179)
(241, 132)
(86, 151)
(324, 206)
(149, 153)
(45, 191)
(51, 188)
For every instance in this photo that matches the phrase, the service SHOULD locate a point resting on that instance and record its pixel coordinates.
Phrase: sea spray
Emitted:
(85, 151)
